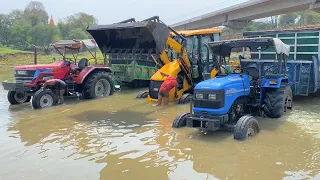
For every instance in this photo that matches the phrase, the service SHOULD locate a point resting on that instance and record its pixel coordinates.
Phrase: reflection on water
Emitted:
(120, 137)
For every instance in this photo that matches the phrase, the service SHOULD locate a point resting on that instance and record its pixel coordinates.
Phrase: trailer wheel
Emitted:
(180, 120)
(43, 99)
(17, 97)
(98, 84)
(246, 127)
(185, 98)
(142, 94)
(278, 101)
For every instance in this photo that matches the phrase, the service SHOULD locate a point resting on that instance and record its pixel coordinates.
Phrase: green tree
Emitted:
(43, 35)
(64, 29)
(77, 33)
(36, 13)
(82, 21)
(287, 20)
(250, 28)
(5, 25)
(309, 17)
(19, 35)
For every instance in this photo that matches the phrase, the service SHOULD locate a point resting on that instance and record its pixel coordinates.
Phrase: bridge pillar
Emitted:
(236, 25)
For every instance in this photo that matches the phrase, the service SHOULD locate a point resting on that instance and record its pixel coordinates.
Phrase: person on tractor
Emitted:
(57, 86)
(169, 83)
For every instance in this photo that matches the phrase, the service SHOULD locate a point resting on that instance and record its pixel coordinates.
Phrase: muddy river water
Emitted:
(119, 137)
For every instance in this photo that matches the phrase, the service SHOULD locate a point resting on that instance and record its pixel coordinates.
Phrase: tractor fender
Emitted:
(273, 82)
(88, 70)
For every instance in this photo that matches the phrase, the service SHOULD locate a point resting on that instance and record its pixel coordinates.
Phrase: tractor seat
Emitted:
(82, 64)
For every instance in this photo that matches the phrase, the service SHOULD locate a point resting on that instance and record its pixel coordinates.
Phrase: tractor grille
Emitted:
(205, 102)
(154, 88)
(24, 75)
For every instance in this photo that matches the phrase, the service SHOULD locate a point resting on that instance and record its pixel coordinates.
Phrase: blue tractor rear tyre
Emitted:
(180, 120)
(246, 127)
(277, 101)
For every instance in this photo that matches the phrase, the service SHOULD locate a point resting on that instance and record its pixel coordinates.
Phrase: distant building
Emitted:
(51, 21)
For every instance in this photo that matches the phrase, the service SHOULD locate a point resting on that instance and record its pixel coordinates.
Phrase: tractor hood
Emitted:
(54, 65)
(143, 35)
(222, 83)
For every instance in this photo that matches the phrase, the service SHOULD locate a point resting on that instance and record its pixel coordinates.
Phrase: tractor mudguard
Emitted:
(272, 82)
(88, 70)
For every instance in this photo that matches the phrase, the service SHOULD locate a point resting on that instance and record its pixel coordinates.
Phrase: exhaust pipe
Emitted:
(35, 54)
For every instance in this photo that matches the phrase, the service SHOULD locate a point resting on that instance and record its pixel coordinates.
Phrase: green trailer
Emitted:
(304, 42)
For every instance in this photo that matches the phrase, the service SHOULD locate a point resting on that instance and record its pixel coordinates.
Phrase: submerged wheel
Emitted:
(18, 97)
(98, 84)
(142, 94)
(180, 120)
(185, 98)
(278, 101)
(43, 99)
(246, 127)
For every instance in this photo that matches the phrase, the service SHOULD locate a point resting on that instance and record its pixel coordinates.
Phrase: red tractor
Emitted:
(91, 81)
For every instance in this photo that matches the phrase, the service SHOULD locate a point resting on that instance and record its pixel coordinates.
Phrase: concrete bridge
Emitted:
(238, 16)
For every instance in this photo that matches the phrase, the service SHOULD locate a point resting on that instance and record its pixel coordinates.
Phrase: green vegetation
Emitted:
(28, 58)
(23, 29)
(6, 51)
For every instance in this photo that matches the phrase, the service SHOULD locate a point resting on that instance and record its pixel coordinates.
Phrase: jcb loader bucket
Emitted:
(141, 36)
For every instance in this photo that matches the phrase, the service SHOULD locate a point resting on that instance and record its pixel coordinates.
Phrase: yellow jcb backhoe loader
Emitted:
(184, 55)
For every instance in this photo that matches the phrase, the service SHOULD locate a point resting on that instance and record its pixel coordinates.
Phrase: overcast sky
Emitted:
(111, 11)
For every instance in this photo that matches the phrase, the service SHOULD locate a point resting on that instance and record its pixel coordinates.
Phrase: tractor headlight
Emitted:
(199, 96)
(212, 96)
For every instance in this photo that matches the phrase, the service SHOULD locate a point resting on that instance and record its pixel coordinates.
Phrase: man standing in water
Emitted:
(58, 86)
(169, 83)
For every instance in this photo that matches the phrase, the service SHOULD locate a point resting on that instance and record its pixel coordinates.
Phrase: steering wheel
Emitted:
(237, 70)
(68, 61)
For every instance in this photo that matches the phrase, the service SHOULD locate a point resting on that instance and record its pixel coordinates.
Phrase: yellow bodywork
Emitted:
(173, 68)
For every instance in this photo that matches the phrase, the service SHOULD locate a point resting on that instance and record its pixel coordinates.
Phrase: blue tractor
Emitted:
(231, 99)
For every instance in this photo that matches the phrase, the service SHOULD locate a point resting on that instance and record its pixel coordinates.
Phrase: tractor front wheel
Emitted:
(142, 94)
(278, 101)
(185, 98)
(98, 84)
(246, 127)
(17, 97)
(180, 120)
(43, 99)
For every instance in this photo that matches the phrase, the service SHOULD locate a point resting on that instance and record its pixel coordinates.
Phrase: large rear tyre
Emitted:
(98, 84)
(18, 97)
(180, 120)
(246, 127)
(185, 98)
(278, 101)
(142, 94)
(43, 99)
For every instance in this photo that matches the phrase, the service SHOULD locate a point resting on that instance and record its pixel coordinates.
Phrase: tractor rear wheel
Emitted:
(246, 127)
(180, 120)
(142, 94)
(278, 101)
(17, 97)
(43, 99)
(98, 84)
(185, 98)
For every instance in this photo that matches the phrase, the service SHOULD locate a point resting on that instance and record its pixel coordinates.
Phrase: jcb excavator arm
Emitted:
(182, 59)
